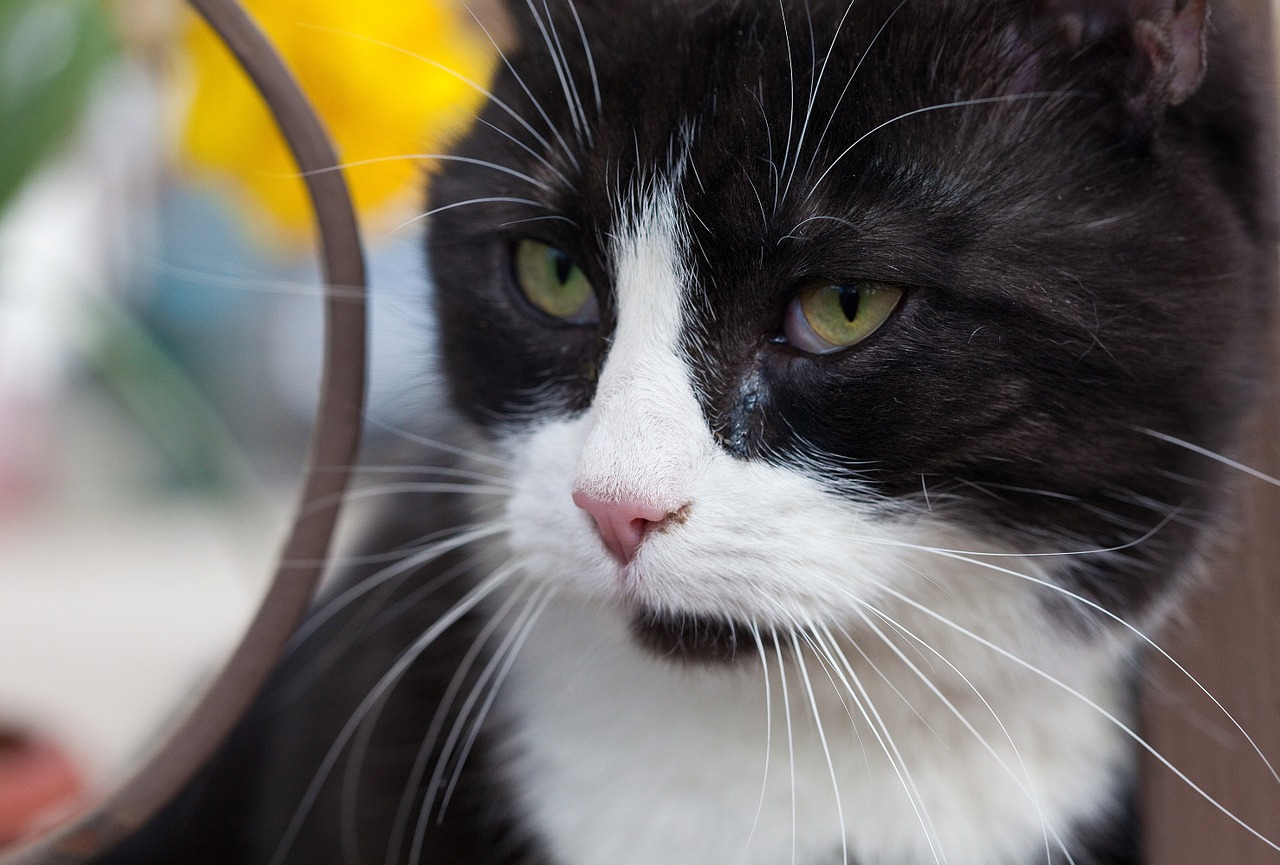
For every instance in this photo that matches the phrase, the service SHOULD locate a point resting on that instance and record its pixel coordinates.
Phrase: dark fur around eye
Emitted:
(1085, 272)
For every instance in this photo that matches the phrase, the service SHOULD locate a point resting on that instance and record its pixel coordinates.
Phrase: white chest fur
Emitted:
(624, 759)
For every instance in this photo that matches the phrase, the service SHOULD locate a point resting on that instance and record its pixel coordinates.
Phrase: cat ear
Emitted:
(1174, 42)
(1151, 53)
(497, 21)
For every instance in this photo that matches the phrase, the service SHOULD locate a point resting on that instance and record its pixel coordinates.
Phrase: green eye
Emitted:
(552, 282)
(827, 317)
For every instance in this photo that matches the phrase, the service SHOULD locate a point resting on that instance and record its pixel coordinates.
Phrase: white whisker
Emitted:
(862, 699)
(791, 745)
(1028, 787)
(436, 444)
(492, 199)
(1205, 452)
(768, 728)
(425, 157)
(963, 103)
(558, 63)
(1137, 632)
(478, 724)
(826, 749)
(1111, 718)
(435, 64)
(329, 609)
(591, 61)
(565, 149)
(462, 670)
(384, 684)
(866, 52)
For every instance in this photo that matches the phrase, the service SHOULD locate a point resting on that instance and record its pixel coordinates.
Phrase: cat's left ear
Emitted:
(1150, 53)
(1173, 40)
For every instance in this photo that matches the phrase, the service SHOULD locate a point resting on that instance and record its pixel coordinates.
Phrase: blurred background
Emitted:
(160, 328)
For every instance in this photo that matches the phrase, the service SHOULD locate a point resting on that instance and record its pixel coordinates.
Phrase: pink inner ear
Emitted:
(1186, 37)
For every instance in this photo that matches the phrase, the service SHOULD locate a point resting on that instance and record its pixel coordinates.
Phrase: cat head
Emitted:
(783, 311)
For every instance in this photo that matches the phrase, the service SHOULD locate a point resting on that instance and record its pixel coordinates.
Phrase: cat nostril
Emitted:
(622, 524)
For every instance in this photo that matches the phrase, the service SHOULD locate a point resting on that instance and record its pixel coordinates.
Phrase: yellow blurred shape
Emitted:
(376, 73)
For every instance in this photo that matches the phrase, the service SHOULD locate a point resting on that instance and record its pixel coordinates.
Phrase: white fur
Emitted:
(621, 758)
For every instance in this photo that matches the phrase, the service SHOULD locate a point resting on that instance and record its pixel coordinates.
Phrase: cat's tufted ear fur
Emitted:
(1149, 53)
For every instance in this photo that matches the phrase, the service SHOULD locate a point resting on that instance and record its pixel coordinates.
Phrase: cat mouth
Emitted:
(698, 638)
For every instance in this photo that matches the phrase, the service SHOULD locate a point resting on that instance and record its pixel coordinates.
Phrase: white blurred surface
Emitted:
(115, 603)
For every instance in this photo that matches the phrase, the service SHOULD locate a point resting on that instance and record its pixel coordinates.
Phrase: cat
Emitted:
(824, 380)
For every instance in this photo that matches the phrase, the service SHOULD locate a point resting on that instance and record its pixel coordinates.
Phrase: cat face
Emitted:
(782, 311)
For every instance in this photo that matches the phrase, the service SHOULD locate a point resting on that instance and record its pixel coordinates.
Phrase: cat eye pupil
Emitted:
(564, 266)
(849, 302)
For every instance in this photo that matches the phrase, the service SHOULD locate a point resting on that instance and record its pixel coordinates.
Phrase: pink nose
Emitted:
(622, 524)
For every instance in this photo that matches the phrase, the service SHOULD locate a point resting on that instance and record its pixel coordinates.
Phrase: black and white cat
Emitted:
(826, 370)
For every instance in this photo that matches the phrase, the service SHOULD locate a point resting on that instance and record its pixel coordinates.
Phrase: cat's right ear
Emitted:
(1147, 54)
(498, 18)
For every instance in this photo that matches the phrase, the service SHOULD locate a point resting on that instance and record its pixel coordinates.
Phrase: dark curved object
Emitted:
(335, 441)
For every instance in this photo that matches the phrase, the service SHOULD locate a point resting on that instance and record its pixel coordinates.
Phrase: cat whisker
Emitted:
(541, 159)
(560, 65)
(394, 489)
(552, 218)
(1128, 626)
(584, 127)
(565, 149)
(428, 470)
(825, 630)
(301, 288)
(962, 103)
(755, 191)
(376, 694)
(794, 234)
(768, 727)
(822, 737)
(1083, 551)
(591, 61)
(395, 555)
(491, 199)
(366, 621)
(435, 64)
(871, 715)
(427, 157)
(525, 629)
(835, 110)
(437, 444)
(1217, 457)
(424, 487)
(422, 557)
(400, 825)
(815, 76)
(460, 728)
(1090, 703)
(791, 109)
(1027, 787)
(791, 744)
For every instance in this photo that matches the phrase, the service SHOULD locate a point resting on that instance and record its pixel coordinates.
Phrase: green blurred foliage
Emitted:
(50, 51)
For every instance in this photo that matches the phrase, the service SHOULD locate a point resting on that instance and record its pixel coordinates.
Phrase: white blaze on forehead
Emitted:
(647, 434)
